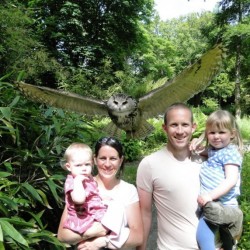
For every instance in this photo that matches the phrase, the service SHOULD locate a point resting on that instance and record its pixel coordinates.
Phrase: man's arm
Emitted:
(146, 211)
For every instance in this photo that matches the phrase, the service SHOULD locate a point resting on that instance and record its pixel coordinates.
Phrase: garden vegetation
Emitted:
(97, 48)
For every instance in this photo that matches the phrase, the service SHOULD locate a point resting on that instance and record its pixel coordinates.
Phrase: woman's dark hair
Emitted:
(114, 143)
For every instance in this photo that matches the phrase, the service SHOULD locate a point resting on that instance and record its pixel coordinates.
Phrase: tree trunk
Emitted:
(237, 83)
(237, 68)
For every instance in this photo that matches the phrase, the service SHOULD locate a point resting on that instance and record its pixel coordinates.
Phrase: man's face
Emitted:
(179, 128)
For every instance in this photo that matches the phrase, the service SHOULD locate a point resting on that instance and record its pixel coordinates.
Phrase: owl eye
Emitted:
(115, 102)
(125, 102)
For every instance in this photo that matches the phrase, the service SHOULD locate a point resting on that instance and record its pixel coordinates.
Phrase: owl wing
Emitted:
(64, 100)
(185, 85)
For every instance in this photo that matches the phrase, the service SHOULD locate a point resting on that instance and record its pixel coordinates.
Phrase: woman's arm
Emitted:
(135, 236)
(135, 225)
(65, 235)
(68, 236)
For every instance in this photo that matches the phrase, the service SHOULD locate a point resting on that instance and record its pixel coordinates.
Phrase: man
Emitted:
(170, 178)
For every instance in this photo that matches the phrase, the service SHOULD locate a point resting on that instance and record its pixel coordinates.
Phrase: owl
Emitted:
(129, 114)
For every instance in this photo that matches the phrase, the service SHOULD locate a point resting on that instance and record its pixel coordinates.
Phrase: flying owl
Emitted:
(127, 113)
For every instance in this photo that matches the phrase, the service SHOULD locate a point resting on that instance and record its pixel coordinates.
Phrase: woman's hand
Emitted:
(92, 244)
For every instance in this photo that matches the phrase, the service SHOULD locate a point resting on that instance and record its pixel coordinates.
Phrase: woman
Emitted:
(109, 159)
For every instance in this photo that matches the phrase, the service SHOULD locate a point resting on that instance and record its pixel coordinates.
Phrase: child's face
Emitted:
(80, 163)
(219, 137)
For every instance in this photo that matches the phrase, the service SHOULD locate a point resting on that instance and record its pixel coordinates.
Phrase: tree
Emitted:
(234, 18)
(85, 33)
(20, 49)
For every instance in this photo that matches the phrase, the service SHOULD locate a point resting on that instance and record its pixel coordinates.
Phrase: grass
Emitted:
(130, 170)
(244, 200)
(244, 127)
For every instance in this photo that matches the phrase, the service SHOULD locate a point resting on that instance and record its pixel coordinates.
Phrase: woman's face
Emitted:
(108, 162)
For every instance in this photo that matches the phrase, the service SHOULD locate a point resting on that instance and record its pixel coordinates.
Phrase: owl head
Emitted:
(121, 103)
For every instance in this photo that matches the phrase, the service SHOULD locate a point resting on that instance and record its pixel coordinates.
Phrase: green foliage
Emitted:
(243, 124)
(20, 49)
(33, 140)
(91, 31)
(244, 243)
(130, 171)
(209, 105)
(222, 88)
(97, 48)
(132, 149)
(155, 140)
(200, 120)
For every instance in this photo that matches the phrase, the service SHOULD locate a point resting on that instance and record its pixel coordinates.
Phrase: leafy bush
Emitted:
(33, 139)
(244, 199)
(156, 139)
(244, 128)
(200, 120)
(210, 105)
(132, 149)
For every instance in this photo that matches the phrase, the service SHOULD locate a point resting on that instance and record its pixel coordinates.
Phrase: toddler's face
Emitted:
(219, 137)
(80, 163)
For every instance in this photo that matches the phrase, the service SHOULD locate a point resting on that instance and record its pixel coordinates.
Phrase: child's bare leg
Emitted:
(96, 230)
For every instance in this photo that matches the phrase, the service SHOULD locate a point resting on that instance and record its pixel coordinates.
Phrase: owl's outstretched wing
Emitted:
(64, 100)
(191, 81)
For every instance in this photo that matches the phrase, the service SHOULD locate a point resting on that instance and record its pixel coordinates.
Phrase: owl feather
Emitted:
(127, 113)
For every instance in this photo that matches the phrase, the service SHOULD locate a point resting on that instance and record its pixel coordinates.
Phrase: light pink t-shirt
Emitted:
(175, 187)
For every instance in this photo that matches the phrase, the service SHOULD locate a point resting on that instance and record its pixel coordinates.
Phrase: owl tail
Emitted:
(113, 130)
(142, 131)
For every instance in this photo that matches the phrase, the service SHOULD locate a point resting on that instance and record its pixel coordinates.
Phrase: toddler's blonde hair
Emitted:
(72, 148)
(222, 119)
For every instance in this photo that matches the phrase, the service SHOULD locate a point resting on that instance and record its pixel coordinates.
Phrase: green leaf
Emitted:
(8, 124)
(2, 246)
(3, 210)
(32, 191)
(44, 197)
(21, 75)
(37, 218)
(6, 111)
(18, 221)
(8, 166)
(1, 235)
(4, 174)
(47, 236)
(9, 230)
(9, 202)
(5, 77)
(52, 187)
(15, 101)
